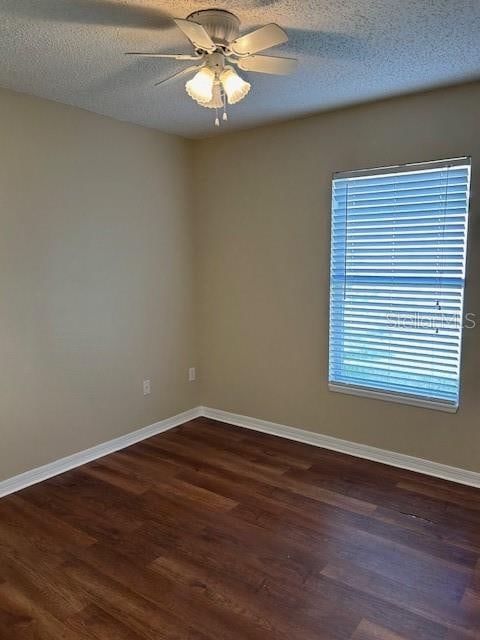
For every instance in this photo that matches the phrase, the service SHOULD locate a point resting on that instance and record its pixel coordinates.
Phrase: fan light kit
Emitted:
(219, 50)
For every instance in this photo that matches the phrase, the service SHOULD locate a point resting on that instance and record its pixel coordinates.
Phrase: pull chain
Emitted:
(225, 116)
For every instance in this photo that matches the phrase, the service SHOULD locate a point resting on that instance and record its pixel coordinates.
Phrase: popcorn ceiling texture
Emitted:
(350, 51)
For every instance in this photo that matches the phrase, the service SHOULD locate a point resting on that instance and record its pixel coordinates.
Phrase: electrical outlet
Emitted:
(146, 388)
(192, 374)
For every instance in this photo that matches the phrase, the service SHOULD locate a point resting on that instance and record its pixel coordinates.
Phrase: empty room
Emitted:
(239, 320)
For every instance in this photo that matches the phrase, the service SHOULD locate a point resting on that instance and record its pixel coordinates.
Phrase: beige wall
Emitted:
(96, 280)
(117, 263)
(263, 226)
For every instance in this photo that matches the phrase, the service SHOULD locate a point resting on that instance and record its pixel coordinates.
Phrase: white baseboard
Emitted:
(427, 467)
(82, 457)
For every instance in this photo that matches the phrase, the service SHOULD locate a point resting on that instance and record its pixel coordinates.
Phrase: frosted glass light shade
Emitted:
(200, 87)
(234, 86)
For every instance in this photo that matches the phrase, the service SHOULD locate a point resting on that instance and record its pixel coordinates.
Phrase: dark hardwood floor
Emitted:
(212, 532)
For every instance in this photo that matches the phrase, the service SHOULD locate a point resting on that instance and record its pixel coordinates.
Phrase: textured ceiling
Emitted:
(349, 51)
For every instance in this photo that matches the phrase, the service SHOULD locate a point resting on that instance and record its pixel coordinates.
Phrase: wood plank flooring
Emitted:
(211, 532)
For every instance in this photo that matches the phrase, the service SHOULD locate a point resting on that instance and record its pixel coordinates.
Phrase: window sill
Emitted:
(392, 397)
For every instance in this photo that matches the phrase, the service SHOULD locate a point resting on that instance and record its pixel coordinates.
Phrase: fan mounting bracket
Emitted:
(222, 26)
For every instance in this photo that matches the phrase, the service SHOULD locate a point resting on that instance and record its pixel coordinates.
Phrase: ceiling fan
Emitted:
(218, 49)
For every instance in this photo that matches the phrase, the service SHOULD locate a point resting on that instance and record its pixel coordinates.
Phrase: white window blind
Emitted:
(397, 280)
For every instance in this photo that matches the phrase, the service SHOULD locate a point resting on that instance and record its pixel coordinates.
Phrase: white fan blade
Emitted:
(263, 38)
(268, 64)
(179, 74)
(173, 56)
(197, 35)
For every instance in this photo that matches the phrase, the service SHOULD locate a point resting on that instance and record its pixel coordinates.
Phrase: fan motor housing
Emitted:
(222, 26)
(216, 61)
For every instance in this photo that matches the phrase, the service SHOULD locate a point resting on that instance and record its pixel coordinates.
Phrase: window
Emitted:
(397, 280)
